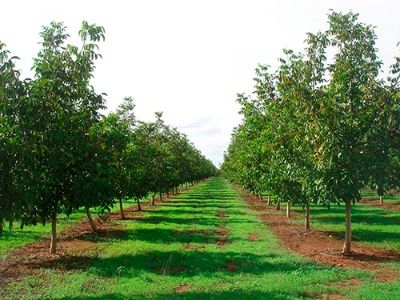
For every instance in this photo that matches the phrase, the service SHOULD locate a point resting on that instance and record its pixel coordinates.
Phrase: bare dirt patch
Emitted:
(321, 246)
(223, 216)
(189, 247)
(231, 266)
(253, 236)
(375, 203)
(182, 288)
(343, 286)
(222, 233)
(348, 283)
(386, 276)
(332, 296)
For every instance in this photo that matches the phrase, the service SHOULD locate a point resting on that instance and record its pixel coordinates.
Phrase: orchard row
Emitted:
(323, 125)
(58, 153)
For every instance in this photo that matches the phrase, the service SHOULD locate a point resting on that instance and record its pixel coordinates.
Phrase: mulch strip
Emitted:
(323, 247)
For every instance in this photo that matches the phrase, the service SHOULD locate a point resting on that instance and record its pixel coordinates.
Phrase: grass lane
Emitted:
(204, 244)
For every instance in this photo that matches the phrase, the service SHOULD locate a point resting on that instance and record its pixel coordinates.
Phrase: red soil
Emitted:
(231, 266)
(222, 239)
(253, 236)
(182, 288)
(222, 216)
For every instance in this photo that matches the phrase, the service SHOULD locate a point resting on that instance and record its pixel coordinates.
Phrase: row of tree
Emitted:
(323, 125)
(59, 154)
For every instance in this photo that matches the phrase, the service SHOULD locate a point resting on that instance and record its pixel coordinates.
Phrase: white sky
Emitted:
(188, 58)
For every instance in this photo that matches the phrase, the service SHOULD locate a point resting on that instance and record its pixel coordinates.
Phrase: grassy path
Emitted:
(204, 244)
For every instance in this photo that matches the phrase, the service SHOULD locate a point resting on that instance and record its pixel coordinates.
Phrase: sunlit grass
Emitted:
(173, 254)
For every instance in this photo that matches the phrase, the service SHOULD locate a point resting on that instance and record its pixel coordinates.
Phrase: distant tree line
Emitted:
(58, 153)
(321, 126)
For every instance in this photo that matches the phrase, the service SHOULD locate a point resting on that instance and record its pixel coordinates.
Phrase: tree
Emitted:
(12, 92)
(347, 110)
(325, 127)
(60, 109)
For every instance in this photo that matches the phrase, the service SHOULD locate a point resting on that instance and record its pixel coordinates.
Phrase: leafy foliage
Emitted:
(321, 126)
(58, 153)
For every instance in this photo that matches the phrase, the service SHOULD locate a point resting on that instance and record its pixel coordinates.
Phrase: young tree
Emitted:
(12, 92)
(322, 122)
(60, 109)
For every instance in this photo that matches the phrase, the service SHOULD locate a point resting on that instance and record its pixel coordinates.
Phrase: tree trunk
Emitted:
(153, 199)
(161, 197)
(269, 200)
(139, 207)
(347, 241)
(10, 225)
(91, 221)
(261, 197)
(307, 216)
(121, 209)
(1, 225)
(53, 241)
(278, 205)
(167, 194)
(381, 199)
(288, 210)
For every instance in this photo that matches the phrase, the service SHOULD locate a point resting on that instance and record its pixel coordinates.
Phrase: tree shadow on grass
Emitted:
(184, 264)
(357, 218)
(190, 263)
(212, 221)
(195, 295)
(207, 196)
(191, 205)
(179, 221)
(165, 236)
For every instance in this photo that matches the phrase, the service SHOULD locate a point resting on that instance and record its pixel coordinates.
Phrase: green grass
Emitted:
(21, 237)
(389, 198)
(176, 246)
(370, 225)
